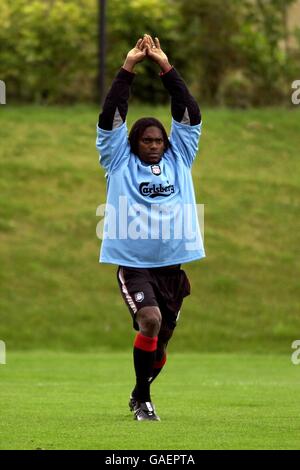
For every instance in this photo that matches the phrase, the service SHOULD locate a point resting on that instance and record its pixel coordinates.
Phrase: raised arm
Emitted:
(112, 136)
(186, 124)
(184, 107)
(115, 106)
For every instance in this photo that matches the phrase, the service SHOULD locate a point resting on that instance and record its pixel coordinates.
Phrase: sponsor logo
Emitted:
(139, 296)
(156, 169)
(155, 190)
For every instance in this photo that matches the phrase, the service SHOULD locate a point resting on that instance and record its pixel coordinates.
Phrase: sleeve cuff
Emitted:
(125, 75)
(164, 73)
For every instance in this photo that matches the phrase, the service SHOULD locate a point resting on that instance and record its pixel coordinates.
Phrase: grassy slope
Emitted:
(53, 293)
(79, 401)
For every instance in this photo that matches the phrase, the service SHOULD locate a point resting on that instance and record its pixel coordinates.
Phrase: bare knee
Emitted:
(149, 321)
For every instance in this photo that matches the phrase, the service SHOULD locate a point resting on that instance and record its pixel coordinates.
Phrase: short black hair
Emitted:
(138, 129)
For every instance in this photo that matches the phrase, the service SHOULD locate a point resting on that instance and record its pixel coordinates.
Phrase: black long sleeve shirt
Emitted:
(184, 107)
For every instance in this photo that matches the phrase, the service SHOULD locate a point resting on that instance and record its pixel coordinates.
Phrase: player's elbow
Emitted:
(194, 113)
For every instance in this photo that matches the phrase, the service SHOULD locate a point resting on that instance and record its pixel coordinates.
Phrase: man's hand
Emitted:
(155, 52)
(135, 55)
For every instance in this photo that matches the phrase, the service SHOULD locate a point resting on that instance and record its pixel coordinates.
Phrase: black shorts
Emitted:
(161, 287)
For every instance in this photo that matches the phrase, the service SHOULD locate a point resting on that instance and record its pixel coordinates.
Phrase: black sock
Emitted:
(157, 368)
(144, 358)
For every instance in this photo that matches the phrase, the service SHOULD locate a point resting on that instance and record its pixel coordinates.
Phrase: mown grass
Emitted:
(205, 401)
(54, 294)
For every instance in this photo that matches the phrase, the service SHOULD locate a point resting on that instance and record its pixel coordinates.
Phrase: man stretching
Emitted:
(151, 224)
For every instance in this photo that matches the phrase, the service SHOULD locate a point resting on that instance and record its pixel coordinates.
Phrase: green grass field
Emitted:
(55, 295)
(205, 401)
(229, 381)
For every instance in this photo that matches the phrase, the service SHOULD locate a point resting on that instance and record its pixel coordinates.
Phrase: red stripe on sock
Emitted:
(145, 343)
(160, 364)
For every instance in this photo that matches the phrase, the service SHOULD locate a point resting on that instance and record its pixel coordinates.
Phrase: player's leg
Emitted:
(139, 296)
(149, 321)
(171, 287)
(144, 351)
(164, 336)
(165, 333)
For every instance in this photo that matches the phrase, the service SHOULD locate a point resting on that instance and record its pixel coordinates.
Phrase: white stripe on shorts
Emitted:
(125, 291)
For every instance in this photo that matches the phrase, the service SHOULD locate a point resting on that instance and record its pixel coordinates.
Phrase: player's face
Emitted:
(151, 145)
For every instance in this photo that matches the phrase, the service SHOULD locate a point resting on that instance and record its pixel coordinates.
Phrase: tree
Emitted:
(263, 49)
(208, 28)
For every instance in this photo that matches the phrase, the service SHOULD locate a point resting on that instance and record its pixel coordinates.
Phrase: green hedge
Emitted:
(230, 52)
(49, 49)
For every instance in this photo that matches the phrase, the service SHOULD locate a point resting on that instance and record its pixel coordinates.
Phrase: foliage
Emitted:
(236, 91)
(128, 21)
(208, 27)
(263, 50)
(49, 48)
(248, 39)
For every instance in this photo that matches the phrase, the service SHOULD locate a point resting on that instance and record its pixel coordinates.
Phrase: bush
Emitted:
(236, 91)
(48, 49)
(229, 51)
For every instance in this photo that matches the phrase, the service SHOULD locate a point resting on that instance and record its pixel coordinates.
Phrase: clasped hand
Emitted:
(146, 47)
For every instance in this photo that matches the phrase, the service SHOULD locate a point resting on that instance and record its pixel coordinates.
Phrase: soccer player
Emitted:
(150, 225)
